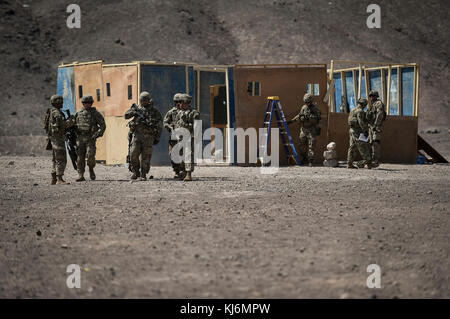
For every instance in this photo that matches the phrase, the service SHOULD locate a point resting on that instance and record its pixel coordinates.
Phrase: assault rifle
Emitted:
(71, 135)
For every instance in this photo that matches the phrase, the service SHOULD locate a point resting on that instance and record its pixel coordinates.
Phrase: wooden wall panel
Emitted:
(290, 84)
(89, 76)
(119, 78)
(116, 140)
(399, 139)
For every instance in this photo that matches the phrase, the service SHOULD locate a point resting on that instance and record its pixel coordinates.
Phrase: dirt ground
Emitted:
(230, 233)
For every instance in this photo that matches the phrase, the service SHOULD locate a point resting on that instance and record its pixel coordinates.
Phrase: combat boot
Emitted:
(188, 177)
(143, 177)
(350, 165)
(177, 175)
(369, 166)
(135, 175)
(80, 177)
(91, 173)
(60, 181)
(53, 182)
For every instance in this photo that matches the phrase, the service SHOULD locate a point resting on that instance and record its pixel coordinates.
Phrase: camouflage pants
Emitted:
(375, 143)
(59, 158)
(85, 148)
(141, 153)
(357, 145)
(307, 143)
(176, 167)
(188, 167)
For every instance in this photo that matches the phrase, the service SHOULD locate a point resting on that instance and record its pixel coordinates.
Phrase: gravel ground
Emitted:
(231, 233)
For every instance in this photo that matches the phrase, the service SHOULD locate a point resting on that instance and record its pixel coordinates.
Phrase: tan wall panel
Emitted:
(90, 77)
(399, 139)
(119, 78)
(101, 145)
(116, 140)
(290, 84)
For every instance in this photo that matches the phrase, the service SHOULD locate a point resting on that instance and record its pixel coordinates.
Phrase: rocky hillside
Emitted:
(36, 39)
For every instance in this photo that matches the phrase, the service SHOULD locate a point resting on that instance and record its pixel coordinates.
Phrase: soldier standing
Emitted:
(358, 131)
(310, 118)
(90, 126)
(185, 118)
(376, 115)
(56, 125)
(146, 127)
(169, 124)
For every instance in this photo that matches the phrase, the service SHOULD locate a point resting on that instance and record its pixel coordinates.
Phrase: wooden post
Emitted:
(388, 89)
(138, 78)
(332, 100)
(359, 81)
(367, 81)
(228, 127)
(383, 86)
(417, 91)
(399, 91)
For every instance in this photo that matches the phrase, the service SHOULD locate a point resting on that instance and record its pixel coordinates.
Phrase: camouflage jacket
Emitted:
(309, 116)
(169, 119)
(185, 118)
(56, 124)
(357, 121)
(146, 120)
(90, 122)
(376, 114)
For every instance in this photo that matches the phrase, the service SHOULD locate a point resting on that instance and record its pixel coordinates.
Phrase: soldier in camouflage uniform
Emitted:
(376, 115)
(56, 126)
(185, 118)
(90, 126)
(358, 125)
(146, 127)
(169, 124)
(310, 117)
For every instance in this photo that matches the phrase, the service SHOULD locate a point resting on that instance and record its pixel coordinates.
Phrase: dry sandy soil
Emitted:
(232, 232)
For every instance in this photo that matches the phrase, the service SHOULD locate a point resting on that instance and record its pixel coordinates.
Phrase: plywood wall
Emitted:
(290, 84)
(399, 139)
(119, 78)
(116, 140)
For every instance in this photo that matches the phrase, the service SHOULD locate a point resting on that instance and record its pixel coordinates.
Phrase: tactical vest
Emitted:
(86, 123)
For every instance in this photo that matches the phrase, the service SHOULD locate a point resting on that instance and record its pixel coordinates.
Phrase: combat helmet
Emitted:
(144, 96)
(307, 98)
(177, 97)
(87, 99)
(373, 93)
(362, 101)
(54, 98)
(186, 98)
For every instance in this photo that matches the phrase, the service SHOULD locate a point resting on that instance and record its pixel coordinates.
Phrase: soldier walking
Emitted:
(169, 124)
(185, 119)
(309, 117)
(358, 131)
(56, 126)
(90, 125)
(145, 127)
(376, 115)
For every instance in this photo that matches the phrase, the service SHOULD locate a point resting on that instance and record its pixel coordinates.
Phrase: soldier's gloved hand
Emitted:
(366, 134)
(155, 141)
